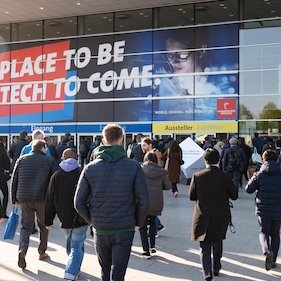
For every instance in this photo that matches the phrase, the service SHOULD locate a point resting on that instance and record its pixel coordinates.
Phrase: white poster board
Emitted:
(192, 154)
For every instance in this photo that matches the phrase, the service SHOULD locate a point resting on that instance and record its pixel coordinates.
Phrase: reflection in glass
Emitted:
(216, 11)
(60, 27)
(101, 23)
(30, 30)
(4, 33)
(133, 20)
(176, 15)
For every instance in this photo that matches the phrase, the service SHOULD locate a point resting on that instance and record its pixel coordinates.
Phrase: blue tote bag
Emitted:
(12, 224)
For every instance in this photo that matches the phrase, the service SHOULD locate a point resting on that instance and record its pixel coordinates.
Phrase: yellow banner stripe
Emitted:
(195, 127)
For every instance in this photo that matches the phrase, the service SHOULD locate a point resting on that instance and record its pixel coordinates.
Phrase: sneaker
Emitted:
(175, 194)
(161, 228)
(146, 255)
(21, 261)
(156, 235)
(153, 251)
(269, 261)
(43, 256)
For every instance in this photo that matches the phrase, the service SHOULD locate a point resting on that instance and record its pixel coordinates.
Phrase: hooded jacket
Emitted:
(267, 183)
(112, 194)
(60, 196)
(157, 180)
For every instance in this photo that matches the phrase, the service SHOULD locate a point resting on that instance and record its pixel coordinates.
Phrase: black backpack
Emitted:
(234, 161)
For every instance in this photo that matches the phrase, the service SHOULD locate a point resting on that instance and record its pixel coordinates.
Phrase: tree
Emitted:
(270, 111)
(244, 112)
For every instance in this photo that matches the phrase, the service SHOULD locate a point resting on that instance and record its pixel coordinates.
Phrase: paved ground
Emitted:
(177, 257)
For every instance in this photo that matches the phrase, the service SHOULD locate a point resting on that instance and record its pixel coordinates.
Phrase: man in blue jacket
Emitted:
(267, 185)
(112, 195)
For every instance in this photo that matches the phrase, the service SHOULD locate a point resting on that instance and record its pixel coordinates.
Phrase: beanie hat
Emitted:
(233, 141)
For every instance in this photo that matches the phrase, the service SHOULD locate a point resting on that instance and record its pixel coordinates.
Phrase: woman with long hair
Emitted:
(173, 158)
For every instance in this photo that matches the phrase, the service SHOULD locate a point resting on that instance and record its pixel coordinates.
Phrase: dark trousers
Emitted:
(151, 222)
(113, 253)
(237, 179)
(28, 211)
(270, 235)
(206, 259)
(174, 187)
(4, 189)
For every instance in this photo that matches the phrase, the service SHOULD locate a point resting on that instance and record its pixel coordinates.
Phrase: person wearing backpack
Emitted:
(234, 161)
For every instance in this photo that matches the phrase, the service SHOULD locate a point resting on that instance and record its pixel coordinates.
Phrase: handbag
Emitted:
(256, 158)
(12, 224)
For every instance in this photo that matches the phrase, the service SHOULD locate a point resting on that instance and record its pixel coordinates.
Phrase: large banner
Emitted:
(134, 77)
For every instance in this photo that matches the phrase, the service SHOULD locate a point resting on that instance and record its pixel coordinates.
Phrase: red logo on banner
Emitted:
(226, 108)
(31, 66)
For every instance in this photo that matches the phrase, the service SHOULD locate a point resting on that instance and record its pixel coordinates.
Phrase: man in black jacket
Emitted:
(59, 200)
(29, 185)
(112, 195)
(211, 189)
(137, 152)
(17, 147)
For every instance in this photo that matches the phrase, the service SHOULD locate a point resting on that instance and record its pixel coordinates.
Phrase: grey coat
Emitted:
(157, 180)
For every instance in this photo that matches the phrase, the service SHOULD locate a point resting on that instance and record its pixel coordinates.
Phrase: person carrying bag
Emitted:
(12, 224)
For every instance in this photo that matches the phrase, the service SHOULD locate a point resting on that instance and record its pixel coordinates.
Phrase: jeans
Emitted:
(75, 249)
(28, 210)
(270, 235)
(151, 222)
(237, 178)
(113, 253)
(206, 260)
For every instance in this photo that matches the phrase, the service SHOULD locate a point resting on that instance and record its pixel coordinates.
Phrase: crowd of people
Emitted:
(49, 180)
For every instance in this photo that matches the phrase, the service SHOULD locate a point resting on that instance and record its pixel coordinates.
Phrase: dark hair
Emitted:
(150, 157)
(269, 154)
(147, 140)
(211, 156)
(174, 146)
(256, 135)
(112, 133)
(139, 137)
(38, 145)
(23, 134)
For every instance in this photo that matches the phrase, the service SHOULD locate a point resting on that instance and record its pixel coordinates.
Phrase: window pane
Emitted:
(102, 23)
(60, 27)
(260, 79)
(176, 15)
(133, 20)
(4, 33)
(30, 30)
(258, 9)
(218, 11)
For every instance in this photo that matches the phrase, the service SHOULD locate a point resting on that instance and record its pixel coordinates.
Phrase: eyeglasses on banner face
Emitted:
(178, 56)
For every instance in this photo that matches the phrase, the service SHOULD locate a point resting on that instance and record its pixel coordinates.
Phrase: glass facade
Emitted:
(206, 62)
